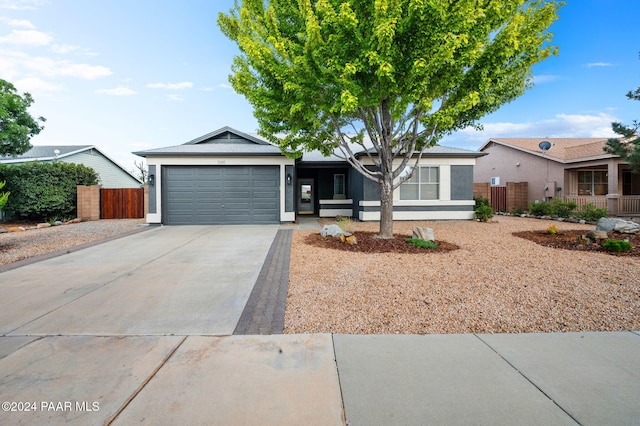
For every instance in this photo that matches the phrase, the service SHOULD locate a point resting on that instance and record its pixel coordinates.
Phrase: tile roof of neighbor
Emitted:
(562, 149)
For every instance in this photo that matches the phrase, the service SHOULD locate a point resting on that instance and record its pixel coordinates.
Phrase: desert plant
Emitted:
(540, 209)
(483, 213)
(346, 224)
(617, 246)
(421, 243)
(560, 208)
(590, 212)
(553, 230)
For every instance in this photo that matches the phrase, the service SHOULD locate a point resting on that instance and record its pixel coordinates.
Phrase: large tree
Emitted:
(16, 124)
(388, 77)
(628, 145)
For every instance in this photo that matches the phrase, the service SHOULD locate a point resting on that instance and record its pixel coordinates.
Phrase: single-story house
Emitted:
(228, 176)
(572, 168)
(111, 174)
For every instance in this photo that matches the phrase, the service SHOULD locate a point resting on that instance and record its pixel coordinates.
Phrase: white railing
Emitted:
(599, 201)
(629, 204)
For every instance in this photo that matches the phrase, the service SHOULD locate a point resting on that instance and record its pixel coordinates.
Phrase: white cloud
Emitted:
(64, 48)
(598, 64)
(548, 78)
(22, 4)
(34, 84)
(118, 91)
(560, 126)
(27, 38)
(22, 23)
(171, 86)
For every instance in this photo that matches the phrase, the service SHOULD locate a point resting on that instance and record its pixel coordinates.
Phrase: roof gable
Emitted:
(227, 135)
(562, 150)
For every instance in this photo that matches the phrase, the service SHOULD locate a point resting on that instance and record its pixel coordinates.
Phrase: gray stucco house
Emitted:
(111, 174)
(228, 176)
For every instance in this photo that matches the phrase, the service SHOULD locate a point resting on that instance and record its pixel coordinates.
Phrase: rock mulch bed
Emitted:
(495, 282)
(368, 243)
(568, 240)
(33, 241)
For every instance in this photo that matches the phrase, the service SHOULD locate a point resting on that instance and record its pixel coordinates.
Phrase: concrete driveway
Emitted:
(189, 280)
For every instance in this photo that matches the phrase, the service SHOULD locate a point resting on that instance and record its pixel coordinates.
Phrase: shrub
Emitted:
(345, 224)
(590, 212)
(540, 209)
(421, 243)
(4, 196)
(517, 211)
(483, 213)
(481, 201)
(553, 230)
(617, 246)
(41, 191)
(559, 208)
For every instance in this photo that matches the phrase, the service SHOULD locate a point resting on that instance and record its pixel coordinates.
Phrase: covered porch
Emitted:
(610, 185)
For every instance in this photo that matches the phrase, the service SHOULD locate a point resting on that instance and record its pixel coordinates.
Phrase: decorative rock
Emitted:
(3, 231)
(582, 221)
(425, 234)
(16, 229)
(583, 240)
(58, 223)
(76, 220)
(618, 225)
(42, 225)
(333, 231)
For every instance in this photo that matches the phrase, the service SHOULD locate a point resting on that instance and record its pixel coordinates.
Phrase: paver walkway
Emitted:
(264, 311)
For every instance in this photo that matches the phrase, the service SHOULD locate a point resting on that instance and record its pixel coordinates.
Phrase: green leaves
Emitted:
(16, 125)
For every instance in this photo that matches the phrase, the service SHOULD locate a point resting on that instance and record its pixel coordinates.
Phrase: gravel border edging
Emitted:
(68, 250)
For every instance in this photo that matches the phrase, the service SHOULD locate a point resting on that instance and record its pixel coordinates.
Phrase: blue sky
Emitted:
(128, 75)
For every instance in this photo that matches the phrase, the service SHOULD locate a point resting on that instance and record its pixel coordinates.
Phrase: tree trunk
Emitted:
(386, 209)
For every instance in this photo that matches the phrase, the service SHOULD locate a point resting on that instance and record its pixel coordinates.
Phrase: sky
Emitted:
(130, 75)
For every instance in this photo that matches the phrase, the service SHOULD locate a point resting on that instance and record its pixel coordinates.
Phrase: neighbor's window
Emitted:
(423, 185)
(338, 185)
(593, 182)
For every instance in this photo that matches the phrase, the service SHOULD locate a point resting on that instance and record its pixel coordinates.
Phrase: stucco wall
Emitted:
(512, 165)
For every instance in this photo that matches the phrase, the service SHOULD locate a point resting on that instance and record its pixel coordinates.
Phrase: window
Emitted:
(338, 186)
(593, 182)
(423, 185)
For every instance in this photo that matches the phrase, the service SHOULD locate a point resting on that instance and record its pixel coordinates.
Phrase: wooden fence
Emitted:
(121, 203)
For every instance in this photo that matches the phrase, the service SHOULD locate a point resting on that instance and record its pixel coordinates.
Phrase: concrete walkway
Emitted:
(139, 330)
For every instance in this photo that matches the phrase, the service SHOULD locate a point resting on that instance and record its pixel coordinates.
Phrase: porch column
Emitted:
(612, 193)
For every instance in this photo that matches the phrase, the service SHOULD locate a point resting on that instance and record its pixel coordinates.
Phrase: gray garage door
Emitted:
(208, 195)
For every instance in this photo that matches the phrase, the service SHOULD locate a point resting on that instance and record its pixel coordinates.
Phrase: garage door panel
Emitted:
(221, 194)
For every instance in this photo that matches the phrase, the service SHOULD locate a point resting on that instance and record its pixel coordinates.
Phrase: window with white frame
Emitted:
(593, 182)
(424, 184)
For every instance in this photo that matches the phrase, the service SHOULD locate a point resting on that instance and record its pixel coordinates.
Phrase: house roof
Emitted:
(433, 152)
(222, 142)
(57, 152)
(563, 150)
(46, 153)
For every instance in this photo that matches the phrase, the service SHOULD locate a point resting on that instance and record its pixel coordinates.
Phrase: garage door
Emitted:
(207, 195)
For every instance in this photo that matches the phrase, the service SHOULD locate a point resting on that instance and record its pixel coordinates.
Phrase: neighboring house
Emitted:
(572, 168)
(231, 177)
(111, 174)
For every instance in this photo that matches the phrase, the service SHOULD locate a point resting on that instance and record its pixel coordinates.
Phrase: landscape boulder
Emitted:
(425, 234)
(43, 225)
(617, 225)
(597, 235)
(333, 231)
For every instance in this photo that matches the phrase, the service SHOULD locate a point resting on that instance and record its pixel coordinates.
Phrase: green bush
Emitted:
(559, 208)
(590, 212)
(421, 243)
(617, 246)
(481, 201)
(41, 191)
(483, 213)
(540, 209)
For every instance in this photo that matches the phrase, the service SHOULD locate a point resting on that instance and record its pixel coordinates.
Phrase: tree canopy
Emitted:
(387, 77)
(17, 126)
(628, 145)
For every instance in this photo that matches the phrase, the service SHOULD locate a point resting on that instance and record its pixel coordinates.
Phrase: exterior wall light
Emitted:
(151, 180)
(288, 178)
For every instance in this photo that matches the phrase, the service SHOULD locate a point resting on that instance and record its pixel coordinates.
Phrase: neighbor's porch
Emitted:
(611, 186)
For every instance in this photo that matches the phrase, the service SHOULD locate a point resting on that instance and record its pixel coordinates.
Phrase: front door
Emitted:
(306, 196)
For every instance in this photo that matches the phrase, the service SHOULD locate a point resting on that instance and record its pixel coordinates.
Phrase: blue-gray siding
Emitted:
(207, 195)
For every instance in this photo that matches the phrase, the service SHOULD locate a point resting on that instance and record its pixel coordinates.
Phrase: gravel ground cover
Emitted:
(17, 246)
(494, 283)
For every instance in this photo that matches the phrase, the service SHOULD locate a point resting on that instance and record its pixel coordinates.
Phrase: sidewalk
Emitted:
(323, 379)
